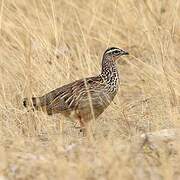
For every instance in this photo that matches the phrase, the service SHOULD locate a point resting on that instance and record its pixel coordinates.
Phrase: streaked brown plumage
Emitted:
(86, 98)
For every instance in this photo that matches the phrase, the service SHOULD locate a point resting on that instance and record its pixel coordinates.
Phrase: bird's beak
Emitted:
(125, 53)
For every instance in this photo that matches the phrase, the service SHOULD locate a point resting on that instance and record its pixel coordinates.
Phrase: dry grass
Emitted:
(48, 43)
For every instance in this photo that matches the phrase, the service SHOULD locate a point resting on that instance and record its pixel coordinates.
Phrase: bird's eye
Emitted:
(116, 52)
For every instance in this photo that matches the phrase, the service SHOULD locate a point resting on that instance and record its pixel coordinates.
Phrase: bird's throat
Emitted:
(110, 73)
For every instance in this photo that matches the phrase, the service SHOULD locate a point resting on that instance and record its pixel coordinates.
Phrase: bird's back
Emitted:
(80, 96)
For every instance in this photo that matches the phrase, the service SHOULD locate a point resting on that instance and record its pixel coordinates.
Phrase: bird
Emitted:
(86, 98)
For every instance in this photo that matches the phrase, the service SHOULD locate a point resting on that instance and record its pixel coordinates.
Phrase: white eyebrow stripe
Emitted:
(112, 50)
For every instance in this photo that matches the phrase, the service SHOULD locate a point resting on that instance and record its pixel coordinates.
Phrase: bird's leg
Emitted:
(86, 130)
(82, 126)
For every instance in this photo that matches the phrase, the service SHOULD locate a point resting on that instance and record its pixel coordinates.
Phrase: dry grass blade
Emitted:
(48, 43)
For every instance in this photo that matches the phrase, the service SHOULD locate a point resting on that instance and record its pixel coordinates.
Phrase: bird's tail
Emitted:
(33, 102)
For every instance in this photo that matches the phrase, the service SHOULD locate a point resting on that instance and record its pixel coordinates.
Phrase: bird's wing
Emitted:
(69, 96)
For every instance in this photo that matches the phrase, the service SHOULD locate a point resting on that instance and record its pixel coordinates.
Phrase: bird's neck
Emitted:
(109, 72)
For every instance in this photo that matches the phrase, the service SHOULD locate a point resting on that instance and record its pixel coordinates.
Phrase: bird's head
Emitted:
(114, 53)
